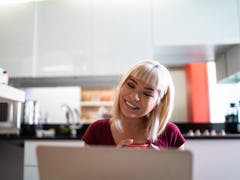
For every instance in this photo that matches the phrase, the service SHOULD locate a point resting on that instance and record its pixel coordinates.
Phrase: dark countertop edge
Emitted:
(16, 137)
(230, 136)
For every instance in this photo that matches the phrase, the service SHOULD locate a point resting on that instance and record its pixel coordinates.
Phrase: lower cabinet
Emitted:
(212, 158)
(11, 159)
(215, 158)
(30, 157)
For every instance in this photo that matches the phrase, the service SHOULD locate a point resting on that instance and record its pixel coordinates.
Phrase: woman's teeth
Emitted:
(131, 105)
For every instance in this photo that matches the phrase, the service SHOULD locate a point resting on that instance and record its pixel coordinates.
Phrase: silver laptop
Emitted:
(104, 163)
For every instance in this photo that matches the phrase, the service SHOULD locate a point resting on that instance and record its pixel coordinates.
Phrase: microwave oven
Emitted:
(10, 117)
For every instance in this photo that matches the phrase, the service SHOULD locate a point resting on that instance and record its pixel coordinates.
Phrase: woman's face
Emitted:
(137, 98)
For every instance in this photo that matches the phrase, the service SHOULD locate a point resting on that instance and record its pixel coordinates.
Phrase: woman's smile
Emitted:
(131, 106)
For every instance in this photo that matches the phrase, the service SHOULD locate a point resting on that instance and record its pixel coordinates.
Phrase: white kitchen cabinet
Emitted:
(192, 22)
(80, 37)
(30, 156)
(63, 38)
(16, 38)
(215, 158)
(121, 34)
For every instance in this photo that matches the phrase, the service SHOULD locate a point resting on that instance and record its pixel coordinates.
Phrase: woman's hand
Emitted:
(124, 142)
(129, 143)
(154, 147)
(158, 148)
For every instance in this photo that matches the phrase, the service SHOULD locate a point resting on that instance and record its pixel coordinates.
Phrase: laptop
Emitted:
(105, 163)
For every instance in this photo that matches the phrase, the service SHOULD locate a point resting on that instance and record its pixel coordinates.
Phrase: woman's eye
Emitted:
(131, 85)
(148, 94)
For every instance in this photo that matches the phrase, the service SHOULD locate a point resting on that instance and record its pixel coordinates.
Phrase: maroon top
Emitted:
(99, 133)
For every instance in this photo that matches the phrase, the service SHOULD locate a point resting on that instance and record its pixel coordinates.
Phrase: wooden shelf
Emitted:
(11, 94)
(96, 103)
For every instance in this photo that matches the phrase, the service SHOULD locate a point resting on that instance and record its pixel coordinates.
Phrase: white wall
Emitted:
(180, 101)
(51, 99)
(220, 95)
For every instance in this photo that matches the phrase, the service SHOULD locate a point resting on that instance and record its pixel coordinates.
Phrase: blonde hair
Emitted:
(156, 75)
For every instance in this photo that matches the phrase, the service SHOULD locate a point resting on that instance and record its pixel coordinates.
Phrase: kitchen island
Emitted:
(214, 156)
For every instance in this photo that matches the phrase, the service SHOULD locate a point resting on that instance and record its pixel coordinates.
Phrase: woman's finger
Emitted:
(124, 142)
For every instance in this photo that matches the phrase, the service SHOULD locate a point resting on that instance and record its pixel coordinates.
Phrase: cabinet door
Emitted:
(221, 67)
(63, 38)
(195, 22)
(16, 38)
(233, 62)
(228, 65)
(121, 34)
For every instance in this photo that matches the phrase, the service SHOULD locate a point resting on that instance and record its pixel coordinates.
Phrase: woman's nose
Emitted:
(136, 96)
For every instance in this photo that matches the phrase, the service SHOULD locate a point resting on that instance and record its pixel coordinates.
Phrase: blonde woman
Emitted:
(142, 108)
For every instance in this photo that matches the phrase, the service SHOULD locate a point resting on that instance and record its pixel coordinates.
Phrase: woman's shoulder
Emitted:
(171, 125)
(172, 128)
(173, 135)
(98, 132)
(98, 126)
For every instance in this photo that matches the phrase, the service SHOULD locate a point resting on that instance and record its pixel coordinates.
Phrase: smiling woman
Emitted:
(142, 108)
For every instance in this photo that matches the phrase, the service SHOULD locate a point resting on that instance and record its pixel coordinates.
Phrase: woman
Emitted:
(142, 107)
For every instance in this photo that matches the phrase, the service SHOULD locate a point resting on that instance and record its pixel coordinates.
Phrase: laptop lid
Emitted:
(96, 163)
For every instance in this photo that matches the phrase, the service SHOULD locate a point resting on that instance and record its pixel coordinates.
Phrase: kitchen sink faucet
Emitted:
(72, 117)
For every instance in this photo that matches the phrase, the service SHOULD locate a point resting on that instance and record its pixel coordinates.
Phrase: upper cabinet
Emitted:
(104, 37)
(91, 38)
(16, 38)
(63, 38)
(228, 66)
(121, 34)
(195, 22)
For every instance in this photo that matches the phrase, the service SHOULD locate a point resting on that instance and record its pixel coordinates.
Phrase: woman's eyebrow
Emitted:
(133, 80)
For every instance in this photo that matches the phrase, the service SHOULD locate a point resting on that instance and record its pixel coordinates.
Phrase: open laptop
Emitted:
(104, 163)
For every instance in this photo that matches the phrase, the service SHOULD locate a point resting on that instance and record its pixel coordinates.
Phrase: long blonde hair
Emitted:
(158, 76)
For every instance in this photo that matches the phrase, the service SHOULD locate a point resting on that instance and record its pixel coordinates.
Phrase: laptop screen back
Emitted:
(96, 163)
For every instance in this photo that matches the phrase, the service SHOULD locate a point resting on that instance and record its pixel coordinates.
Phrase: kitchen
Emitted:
(90, 44)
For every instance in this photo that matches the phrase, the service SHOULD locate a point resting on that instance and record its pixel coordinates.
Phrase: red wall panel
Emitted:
(197, 92)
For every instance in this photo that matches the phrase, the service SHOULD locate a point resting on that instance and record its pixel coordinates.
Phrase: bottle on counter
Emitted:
(238, 111)
(232, 113)
(39, 128)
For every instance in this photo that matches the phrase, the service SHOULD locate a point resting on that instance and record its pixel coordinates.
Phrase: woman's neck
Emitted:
(132, 123)
(129, 128)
